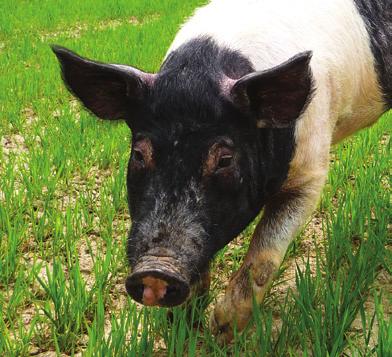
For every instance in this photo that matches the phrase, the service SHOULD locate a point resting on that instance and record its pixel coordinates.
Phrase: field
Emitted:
(64, 218)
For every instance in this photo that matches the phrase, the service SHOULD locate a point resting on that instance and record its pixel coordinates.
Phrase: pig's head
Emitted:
(212, 141)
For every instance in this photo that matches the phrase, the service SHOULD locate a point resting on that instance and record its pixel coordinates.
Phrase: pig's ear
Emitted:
(278, 96)
(109, 91)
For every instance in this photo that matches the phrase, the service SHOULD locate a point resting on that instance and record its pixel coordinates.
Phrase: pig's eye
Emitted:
(220, 159)
(138, 156)
(142, 155)
(224, 161)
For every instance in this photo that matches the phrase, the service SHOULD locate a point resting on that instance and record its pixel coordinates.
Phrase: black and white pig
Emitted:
(240, 118)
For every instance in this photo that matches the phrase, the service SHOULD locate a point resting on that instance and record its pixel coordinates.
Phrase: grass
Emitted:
(63, 213)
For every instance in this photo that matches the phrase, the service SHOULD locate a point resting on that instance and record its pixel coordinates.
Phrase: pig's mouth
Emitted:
(157, 281)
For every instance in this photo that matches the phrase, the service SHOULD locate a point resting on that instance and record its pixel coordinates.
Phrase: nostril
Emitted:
(136, 291)
(139, 289)
(171, 291)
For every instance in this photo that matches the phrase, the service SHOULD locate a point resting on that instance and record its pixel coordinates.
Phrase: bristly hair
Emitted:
(189, 79)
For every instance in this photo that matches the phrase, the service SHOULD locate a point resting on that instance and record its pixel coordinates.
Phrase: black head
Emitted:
(212, 141)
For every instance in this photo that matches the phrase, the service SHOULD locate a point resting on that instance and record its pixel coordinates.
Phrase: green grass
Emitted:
(63, 213)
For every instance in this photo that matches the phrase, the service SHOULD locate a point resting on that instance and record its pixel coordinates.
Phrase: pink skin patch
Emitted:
(227, 85)
(154, 290)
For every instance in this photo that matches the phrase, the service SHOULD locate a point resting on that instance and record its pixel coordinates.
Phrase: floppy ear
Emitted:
(108, 90)
(277, 96)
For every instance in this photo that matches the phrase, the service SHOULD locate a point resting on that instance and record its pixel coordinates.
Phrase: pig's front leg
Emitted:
(283, 216)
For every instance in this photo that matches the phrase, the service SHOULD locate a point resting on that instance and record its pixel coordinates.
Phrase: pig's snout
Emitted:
(153, 283)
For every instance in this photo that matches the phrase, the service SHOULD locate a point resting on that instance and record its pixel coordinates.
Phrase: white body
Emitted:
(269, 32)
(347, 97)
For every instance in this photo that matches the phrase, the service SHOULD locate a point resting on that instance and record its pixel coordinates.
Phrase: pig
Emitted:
(238, 120)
